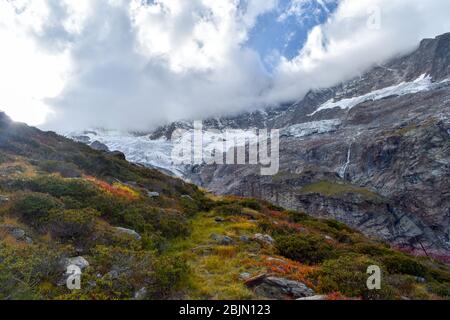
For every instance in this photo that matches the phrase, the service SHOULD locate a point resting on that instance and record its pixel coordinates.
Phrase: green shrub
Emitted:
(65, 169)
(348, 275)
(58, 187)
(168, 276)
(309, 249)
(402, 264)
(34, 207)
(251, 204)
(229, 210)
(71, 224)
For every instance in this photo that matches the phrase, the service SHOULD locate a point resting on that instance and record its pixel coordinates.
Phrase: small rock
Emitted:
(186, 196)
(244, 238)
(80, 262)
(264, 238)
(278, 288)
(244, 276)
(276, 260)
(219, 219)
(130, 232)
(16, 233)
(328, 238)
(152, 194)
(421, 280)
(141, 294)
(223, 240)
(318, 297)
(3, 199)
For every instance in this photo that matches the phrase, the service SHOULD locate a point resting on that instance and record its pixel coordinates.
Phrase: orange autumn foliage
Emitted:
(290, 269)
(117, 189)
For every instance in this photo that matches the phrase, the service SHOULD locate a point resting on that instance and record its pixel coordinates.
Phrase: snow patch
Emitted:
(310, 128)
(423, 83)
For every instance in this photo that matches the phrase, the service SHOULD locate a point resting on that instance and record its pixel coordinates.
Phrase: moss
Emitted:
(335, 189)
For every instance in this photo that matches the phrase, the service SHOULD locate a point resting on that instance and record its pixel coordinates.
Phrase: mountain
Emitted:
(378, 159)
(70, 212)
(372, 152)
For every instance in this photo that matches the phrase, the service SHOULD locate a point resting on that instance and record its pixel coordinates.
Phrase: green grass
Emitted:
(335, 189)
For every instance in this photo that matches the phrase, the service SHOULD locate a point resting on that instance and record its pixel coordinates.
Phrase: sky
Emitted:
(136, 64)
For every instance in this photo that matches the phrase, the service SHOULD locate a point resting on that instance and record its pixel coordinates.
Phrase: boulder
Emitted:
(97, 145)
(244, 276)
(118, 154)
(265, 238)
(219, 219)
(80, 262)
(16, 233)
(318, 298)
(152, 194)
(141, 294)
(278, 288)
(129, 232)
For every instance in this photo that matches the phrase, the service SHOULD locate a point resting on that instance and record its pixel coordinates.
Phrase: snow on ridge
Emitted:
(423, 83)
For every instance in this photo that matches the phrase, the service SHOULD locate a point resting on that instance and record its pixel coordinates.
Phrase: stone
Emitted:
(15, 232)
(186, 196)
(278, 288)
(3, 199)
(80, 262)
(223, 240)
(264, 238)
(152, 194)
(97, 145)
(219, 219)
(314, 298)
(244, 276)
(118, 154)
(129, 232)
(244, 239)
(141, 294)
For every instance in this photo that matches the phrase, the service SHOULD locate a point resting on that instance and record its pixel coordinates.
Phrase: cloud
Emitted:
(357, 36)
(133, 64)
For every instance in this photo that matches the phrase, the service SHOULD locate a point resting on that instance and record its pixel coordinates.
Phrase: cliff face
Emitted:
(384, 168)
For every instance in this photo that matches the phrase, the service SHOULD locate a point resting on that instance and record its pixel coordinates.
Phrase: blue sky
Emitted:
(284, 30)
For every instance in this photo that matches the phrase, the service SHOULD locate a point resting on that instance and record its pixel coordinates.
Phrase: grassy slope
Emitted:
(68, 199)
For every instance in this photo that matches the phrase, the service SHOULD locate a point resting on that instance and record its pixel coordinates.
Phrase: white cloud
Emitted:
(128, 65)
(345, 46)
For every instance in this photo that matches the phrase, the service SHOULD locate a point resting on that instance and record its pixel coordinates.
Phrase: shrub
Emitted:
(251, 204)
(309, 249)
(168, 275)
(71, 224)
(34, 207)
(59, 187)
(65, 169)
(229, 209)
(347, 275)
(402, 264)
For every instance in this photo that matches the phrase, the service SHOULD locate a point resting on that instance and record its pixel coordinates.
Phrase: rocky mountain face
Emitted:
(373, 153)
